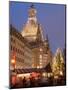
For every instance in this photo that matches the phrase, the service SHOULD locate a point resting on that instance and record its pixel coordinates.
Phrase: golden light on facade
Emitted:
(44, 74)
(41, 49)
(40, 56)
(61, 73)
(55, 77)
(32, 12)
(49, 74)
(40, 63)
(38, 67)
(30, 31)
(32, 65)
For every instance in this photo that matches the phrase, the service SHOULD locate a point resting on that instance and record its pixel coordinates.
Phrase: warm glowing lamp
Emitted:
(13, 61)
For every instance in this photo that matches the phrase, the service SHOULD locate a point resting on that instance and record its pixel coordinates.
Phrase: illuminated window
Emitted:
(38, 67)
(40, 60)
(40, 63)
(40, 49)
(40, 56)
(44, 74)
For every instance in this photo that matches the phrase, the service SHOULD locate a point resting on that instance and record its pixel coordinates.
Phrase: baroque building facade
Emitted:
(20, 50)
(29, 48)
(33, 32)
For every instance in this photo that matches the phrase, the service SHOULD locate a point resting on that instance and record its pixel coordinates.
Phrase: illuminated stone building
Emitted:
(33, 33)
(20, 50)
(29, 48)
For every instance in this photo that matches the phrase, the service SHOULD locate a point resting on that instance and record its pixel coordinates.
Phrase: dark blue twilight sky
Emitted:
(50, 16)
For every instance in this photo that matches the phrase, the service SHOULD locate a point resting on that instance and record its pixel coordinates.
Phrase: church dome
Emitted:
(32, 30)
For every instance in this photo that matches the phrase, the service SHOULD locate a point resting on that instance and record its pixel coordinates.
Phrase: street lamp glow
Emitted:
(13, 61)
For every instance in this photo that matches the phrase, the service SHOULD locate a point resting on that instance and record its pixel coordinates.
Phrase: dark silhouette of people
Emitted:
(32, 81)
(24, 82)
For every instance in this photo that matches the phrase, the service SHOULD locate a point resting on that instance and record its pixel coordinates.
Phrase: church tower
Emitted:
(32, 32)
(32, 29)
(32, 14)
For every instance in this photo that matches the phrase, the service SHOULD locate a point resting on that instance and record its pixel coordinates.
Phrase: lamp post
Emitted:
(13, 75)
(13, 62)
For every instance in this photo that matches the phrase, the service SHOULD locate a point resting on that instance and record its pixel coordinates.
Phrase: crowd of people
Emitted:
(38, 81)
(31, 82)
